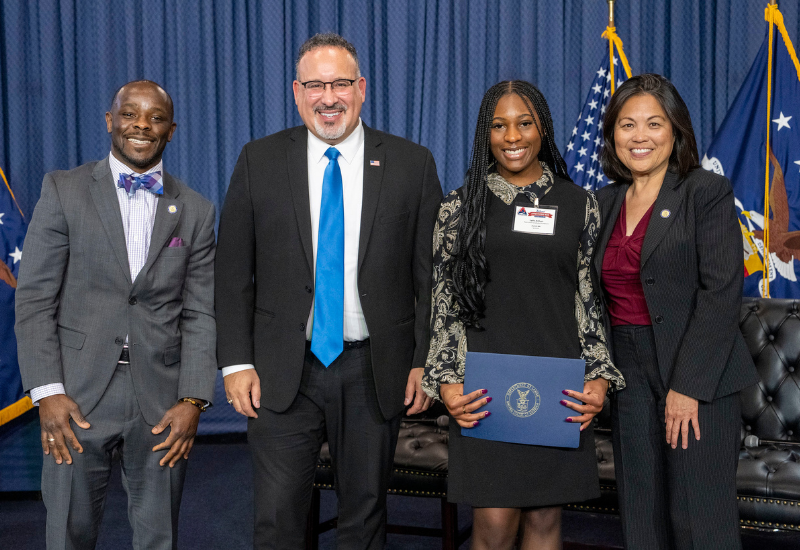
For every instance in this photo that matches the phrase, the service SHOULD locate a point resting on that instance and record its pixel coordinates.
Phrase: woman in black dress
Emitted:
(500, 291)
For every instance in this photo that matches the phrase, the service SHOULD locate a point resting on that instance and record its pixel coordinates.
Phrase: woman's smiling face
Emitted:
(643, 136)
(515, 140)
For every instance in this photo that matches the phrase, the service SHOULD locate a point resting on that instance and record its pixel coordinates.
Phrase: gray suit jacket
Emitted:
(75, 302)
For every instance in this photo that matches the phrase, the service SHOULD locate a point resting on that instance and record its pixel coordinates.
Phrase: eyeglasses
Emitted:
(340, 86)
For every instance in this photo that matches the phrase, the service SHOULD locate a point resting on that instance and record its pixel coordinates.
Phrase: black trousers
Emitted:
(339, 402)
(671, 498)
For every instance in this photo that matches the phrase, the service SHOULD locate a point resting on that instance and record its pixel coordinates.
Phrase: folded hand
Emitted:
(463, 407)
(593, 397)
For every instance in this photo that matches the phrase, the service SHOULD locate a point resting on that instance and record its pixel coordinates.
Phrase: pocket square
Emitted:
(175, 242)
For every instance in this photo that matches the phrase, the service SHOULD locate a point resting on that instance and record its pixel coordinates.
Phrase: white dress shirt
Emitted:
(351, 163)
(138, 217)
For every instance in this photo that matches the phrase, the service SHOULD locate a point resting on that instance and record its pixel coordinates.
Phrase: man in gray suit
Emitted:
(115, 327)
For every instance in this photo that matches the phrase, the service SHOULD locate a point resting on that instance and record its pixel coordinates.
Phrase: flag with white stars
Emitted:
(12, 234)
(739, 153)
(583, 149)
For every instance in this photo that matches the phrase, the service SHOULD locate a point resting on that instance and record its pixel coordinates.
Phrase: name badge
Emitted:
(535, 220)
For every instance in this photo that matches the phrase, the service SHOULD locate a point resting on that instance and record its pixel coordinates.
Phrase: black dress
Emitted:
(537, 303)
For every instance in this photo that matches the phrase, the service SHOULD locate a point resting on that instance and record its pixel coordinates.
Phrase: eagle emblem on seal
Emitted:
(522, 400)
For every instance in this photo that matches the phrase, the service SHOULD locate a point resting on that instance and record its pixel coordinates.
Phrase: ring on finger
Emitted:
(51, 439)
(464, 409)
(230, 401)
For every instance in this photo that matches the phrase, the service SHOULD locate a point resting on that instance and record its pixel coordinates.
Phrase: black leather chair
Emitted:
(768, 477)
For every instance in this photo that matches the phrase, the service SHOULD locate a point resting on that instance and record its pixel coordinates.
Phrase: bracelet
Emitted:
(194, 402)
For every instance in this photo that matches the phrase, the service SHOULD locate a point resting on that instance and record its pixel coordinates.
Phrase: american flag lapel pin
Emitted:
(374, 163)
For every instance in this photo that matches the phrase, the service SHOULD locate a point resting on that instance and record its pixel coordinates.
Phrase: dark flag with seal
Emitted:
(766, 112)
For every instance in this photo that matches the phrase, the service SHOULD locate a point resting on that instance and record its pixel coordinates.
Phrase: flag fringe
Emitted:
(3, 175)
(15, 409)
(614, 40)
(773, 14)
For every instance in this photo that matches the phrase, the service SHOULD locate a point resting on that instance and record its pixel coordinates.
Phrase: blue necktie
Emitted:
(328, 332)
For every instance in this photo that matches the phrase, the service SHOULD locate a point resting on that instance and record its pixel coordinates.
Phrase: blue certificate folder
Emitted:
(526, 395)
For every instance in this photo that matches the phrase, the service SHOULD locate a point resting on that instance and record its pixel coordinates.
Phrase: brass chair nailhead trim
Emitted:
(408, 492)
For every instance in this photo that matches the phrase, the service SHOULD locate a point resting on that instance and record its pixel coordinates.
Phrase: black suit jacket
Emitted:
(692, 275)
(264, 268)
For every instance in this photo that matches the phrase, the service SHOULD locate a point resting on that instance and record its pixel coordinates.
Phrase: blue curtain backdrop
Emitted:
(229, 66)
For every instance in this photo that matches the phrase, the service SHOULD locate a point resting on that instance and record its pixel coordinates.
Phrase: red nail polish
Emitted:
(565, 392)
(484, 392)
(487, 414)
(563, 402)
(474, 424)
(569, 420)
(488, 399)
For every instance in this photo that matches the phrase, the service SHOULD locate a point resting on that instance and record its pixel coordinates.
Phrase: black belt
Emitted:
(124, 357)
(358, 344)
(346, 346)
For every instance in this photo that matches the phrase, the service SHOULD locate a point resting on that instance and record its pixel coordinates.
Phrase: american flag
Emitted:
(583, 150)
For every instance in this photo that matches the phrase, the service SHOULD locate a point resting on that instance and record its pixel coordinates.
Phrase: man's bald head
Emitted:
(141, 124)
(168, 98)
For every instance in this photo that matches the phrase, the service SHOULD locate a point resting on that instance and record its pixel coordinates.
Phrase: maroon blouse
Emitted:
(623, 287)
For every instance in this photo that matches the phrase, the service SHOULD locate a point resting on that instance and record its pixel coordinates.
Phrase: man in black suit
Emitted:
(323, 300)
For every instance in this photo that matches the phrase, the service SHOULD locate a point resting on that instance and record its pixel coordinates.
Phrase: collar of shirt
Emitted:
(507, 192)
(118, 167)
(348, 149)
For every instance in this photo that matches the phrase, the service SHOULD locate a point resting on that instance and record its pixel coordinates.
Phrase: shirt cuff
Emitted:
(47, 390)
(235, 368)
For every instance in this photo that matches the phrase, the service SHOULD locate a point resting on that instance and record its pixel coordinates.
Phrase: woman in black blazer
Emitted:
(670, 264)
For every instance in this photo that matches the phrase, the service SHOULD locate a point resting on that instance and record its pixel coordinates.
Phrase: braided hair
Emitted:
(468, 266)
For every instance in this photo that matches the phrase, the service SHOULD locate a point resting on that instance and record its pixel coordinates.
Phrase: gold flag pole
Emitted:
(611, 45)
(765, 286)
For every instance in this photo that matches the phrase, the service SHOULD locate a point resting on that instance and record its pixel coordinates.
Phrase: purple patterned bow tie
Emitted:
(150, 182)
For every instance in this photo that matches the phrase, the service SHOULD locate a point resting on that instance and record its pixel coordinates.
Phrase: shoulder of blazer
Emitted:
(278, 140)
(84, 172)
(703, 181)
(606, 194)
(699, 187)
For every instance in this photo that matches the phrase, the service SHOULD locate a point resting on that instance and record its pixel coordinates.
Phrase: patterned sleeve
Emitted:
(587, 307)
(445, 363)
